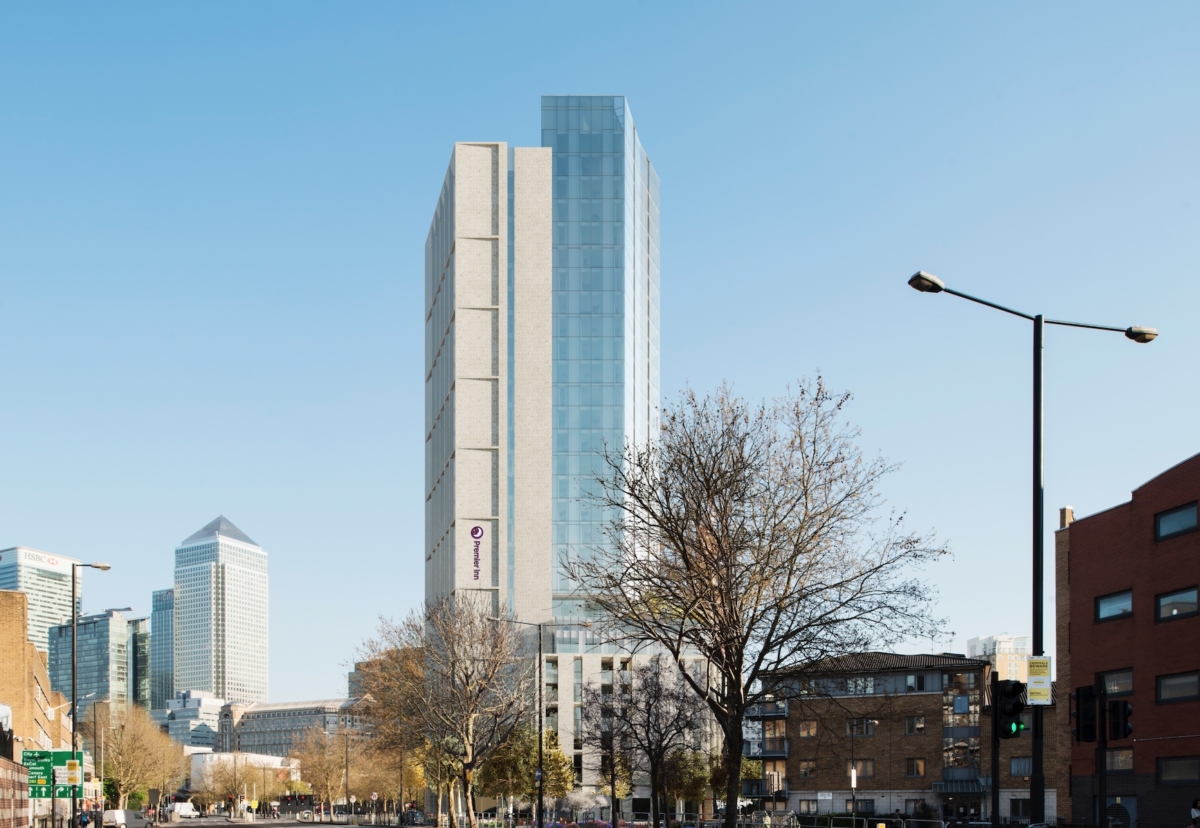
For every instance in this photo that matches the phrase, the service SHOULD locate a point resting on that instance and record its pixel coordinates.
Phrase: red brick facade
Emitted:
(14, 795)
(1108, 554)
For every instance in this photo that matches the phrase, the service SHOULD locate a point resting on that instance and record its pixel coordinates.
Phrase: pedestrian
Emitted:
(1196, 813)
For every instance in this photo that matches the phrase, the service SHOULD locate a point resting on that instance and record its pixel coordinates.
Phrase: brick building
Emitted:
(915, 728)
(14, 795)
(40, 718)
(1126, 584)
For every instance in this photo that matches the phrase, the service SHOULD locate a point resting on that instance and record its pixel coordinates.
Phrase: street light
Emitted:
(103, 567)
(541, 803)
(928, 283)
(854, 765)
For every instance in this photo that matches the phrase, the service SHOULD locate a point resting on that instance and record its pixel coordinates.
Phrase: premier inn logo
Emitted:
(477, 534)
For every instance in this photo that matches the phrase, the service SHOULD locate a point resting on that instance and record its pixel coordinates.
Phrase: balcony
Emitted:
(758, 789)
(765, 748)
(768, 710)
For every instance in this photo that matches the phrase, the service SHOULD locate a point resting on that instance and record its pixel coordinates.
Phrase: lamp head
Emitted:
(926, 282)
(103, 567)
(1139, 334)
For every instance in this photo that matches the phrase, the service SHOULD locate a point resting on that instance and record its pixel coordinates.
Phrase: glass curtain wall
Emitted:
(606, 336)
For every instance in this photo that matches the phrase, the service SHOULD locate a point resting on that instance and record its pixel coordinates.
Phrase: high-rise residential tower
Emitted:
(46, 579)
(162, 648)
(220, 618)
(542, 348)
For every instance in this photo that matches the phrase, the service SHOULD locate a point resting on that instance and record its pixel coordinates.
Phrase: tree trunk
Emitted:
(451, 803)
(469, 796)
(654, 796)
(733, 770)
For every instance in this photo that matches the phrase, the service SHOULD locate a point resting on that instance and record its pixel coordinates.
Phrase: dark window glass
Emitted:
(1019, 808)
(866, 768)
(1120, 759)
(1178, 521)
(1117, 605)
(808, 768)
(1118, 682)
(1021, 766)
(1177, 604)
(1180, 687)
(915, 683)
(914, 767)
(914, 725)
(1179, 769)
(861, 806)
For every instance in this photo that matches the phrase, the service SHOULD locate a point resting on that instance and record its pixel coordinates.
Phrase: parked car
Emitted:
(126, 819)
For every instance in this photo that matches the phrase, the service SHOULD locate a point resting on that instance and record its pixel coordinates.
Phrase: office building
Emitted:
(40, 714)
(1008, 654)
(1128, 623)
(162, 647)
(193, 718)
(46, 579)
(113, 659)
(220, 619)
(916, 730)
(542, 347)
(274, 729)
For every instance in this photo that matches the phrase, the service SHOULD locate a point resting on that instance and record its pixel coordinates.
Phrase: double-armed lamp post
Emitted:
(928, 283)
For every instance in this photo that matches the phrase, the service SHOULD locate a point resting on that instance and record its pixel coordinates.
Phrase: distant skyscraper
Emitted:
(46, 579)
(113, 657)
(162, 648)
(1009, 654)
(221, 614)
(541, 349)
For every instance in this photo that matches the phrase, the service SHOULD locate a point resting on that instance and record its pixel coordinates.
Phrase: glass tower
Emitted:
(220, 619)
(162, 648)
(605, 311)
(113, 657)
(46, 579)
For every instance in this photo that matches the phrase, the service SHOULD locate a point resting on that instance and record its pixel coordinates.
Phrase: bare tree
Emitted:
(646, 718)
(137, 754)
(477, 682)
(753, 536)
(322, 765)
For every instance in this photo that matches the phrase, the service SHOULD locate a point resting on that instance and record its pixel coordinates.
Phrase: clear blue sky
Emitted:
(212, 220)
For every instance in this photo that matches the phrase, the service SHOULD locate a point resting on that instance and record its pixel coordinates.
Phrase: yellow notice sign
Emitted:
(1039, 681)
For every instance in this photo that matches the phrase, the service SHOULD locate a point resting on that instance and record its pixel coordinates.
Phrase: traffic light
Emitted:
(1119, 726)
(1084, 713)
(1009, 708)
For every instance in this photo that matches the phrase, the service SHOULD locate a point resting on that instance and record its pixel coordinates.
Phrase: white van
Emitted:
(126, 819)
(185, 810)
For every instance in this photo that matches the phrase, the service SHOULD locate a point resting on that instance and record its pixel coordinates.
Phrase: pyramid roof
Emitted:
(220, 526)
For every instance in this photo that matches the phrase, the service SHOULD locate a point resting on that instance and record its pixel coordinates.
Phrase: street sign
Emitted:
(48, 775)
(74, 772)
(353, 799)
(374, 796)
(1038, 686)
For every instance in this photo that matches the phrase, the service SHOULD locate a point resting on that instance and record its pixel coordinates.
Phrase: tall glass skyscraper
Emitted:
(162, 648)
(113, 657)
(46, 579)
(542, 348)
(221, 614)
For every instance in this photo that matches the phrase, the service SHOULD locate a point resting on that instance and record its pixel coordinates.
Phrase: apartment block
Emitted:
(40, 715)
(1128, 624)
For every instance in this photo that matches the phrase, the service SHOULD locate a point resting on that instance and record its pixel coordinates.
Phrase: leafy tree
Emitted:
(685, 775)
(752, 535)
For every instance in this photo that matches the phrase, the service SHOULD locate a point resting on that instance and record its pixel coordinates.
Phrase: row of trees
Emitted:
(750, 537)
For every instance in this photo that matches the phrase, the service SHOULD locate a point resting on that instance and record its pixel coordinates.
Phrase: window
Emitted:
(912, 807)
(1118, 682)
(1119, 759)
(962, 704)
(861, 806)
(807, 729)
(1020, 766)
(807, 806)
(1027, 719)
(1175, 522)
(914, 767)
(914, 725)
(808, 768)
(1174, 605)
(1019, 808)
(915, 683)
(865, 767)
(1179, 770)
(860, 686)
(1117, 605)
(1179, 687)
(860, 727)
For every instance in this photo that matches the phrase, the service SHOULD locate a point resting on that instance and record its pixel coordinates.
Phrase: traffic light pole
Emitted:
(1037, 779)
(995, 808)
(1101, 753)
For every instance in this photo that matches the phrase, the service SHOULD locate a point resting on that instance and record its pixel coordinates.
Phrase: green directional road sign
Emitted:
(41, 765)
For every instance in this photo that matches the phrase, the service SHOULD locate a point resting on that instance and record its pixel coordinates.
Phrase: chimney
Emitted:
(1066, 516)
